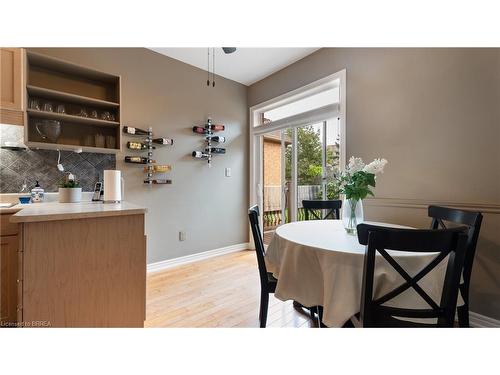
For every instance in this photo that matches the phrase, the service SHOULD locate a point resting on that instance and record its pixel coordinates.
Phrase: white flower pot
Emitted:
(70, 195)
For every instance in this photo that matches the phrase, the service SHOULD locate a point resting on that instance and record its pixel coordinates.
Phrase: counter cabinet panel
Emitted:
(85, 272)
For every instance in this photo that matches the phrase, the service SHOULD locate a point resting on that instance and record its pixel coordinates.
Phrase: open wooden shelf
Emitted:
(71, 69)
(60, 82)
(72, 118)
(68, 97)
(63, 147)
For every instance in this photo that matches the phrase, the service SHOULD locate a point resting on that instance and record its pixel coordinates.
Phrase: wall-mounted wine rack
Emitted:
(150, 167)
(208, 131)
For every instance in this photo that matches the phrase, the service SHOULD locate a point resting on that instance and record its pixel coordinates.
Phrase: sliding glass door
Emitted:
(298, 163)
(296, 147)
(317, 162)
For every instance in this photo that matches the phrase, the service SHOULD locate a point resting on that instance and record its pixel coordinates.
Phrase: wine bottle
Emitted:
(158, 168)
(163, 141)
(199, 130)
(161, 181)
(158, 181)
(215, 127)
(199, 155)
(138, 160)
(138, 146)
(216, 138)
(134, 131)
(215, 150)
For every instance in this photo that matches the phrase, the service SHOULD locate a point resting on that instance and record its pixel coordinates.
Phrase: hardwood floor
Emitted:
(219, 292)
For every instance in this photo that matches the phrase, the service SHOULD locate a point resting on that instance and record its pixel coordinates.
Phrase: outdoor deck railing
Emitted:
(272, 204)
(274, 218)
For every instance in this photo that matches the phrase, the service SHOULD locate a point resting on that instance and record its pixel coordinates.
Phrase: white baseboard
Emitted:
(169, 263)
(481, 321)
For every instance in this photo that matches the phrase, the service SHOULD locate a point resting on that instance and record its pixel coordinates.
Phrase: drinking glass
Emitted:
(61, 109)
(93, 114)
(48, 107)
(99, 140)
(110, 141)
(35, 104)
(83, 113)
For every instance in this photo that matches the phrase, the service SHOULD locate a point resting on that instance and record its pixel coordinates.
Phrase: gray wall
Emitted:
(172, 97)
(435, 115)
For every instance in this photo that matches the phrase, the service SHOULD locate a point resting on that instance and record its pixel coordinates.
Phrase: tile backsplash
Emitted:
(41, 165)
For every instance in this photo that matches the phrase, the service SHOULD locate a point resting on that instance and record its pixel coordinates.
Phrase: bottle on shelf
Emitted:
(199, 130)
(134, 131)
(158, 181)
(163, 141)
(158, 168)
(138, 160)
(215, 150)
(215, 127)
(216, 138)
(199, 155)
(138, 146)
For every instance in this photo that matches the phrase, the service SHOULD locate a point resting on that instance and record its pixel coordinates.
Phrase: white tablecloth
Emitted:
(317, 263)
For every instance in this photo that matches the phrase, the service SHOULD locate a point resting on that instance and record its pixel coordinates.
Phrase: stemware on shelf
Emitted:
(48, 107)
(34, 103)
(83, 113)
(61, 109)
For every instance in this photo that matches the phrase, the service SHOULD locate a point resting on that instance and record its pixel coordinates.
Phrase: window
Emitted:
(321, 99)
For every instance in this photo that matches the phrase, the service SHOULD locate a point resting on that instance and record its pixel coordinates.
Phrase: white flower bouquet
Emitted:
(356, 183)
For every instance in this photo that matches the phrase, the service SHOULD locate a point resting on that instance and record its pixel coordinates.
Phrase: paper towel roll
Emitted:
(112, 186)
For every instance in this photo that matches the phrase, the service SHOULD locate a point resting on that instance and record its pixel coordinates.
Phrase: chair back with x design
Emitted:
(313, 209)
(472, 219)
(449, 243)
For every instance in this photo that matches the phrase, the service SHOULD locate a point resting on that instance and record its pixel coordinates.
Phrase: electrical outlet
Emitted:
(182, 236)
(228, 172)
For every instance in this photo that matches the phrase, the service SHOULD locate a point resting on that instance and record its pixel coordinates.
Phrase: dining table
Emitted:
(317, 263)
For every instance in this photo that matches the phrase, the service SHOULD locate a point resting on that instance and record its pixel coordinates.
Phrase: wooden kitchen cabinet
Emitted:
(11, 86)
(83, 272)
(8, 272)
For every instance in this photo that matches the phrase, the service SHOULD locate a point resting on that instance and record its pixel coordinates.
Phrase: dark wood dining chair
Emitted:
(267, 280)
(313, 209)
(446, 242)
(472, 220)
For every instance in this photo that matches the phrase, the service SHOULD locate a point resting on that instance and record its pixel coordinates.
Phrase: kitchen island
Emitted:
(81, 265)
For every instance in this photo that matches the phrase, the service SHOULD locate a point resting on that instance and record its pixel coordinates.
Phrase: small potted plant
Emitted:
(70, 190)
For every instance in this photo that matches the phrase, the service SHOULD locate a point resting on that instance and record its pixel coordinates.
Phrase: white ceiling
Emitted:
(246, 65)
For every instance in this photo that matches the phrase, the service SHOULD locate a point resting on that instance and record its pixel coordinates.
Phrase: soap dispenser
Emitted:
(37, 193)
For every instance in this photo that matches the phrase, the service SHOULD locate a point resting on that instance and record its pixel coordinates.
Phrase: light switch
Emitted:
(228, 172)
(182, 236)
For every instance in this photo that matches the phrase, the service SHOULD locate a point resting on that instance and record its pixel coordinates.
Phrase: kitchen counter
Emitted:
(80, 264)
(12, 209)
(51, 211)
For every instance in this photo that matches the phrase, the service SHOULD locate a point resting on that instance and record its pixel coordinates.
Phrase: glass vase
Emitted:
(352, 214)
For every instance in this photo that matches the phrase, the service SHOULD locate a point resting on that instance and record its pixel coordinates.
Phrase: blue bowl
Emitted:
(24, 200)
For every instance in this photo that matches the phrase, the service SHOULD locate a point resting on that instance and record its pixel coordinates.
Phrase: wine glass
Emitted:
(61, 109)
(48, 107)
(83, 113)
(35, 104)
